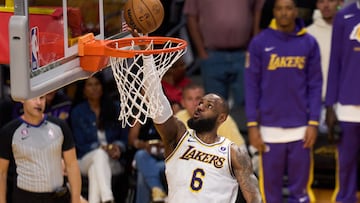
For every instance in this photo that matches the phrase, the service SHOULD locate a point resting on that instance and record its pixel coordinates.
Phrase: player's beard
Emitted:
(202, 125)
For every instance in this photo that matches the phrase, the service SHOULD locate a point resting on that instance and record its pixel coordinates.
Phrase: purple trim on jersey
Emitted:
(284, 80)
(38, 125)
(344, 71)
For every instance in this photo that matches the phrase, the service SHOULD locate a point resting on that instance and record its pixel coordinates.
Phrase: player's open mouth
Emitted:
(196, 114)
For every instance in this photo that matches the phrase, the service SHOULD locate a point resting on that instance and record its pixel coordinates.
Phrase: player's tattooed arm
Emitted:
(243, 171)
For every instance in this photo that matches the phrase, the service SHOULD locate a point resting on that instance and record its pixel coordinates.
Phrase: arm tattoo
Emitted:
(243, 170)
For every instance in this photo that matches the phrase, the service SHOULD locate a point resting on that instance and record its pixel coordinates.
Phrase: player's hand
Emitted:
(135, 33)
(310, 136)
(256, 140)
(331, 121)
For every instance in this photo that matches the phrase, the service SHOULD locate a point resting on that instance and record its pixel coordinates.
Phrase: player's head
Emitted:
(328, 8)
(211, 111)
(34, 107)
(191, 96)
(285, 12)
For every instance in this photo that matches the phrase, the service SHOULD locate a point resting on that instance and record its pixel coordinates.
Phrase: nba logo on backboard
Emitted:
(34, 43)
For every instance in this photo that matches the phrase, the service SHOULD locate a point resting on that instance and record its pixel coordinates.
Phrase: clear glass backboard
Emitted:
(42, 39)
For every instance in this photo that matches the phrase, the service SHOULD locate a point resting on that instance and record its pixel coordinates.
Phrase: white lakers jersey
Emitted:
(199, 172)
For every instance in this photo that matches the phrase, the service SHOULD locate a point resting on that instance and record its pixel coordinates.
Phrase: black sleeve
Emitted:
(6, 106)
(6, 135)
(68, 137)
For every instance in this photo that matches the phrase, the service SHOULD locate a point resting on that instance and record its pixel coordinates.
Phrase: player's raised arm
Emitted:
(168, 126)
(242, 167)
(170, 131)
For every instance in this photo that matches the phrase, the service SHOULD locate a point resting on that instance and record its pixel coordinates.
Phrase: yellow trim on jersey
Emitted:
(261, 178)
(315, 123)
(337, 178)
(186, 134)
(301, 32)
(273, 26)
(252, 124)
(311, 179)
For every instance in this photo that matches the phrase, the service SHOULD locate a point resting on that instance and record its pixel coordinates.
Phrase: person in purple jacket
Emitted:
(343, 93)
(283, 83)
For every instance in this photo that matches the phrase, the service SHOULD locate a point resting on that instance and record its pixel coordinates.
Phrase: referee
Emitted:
(38, 143)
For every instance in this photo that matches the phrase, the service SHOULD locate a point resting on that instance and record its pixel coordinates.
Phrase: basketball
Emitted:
(144, 15)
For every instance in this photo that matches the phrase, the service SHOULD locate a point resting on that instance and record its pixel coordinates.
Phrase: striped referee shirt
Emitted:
(37, 151)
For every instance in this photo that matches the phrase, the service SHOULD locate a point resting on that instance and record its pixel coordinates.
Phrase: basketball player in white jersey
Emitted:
(202, 166)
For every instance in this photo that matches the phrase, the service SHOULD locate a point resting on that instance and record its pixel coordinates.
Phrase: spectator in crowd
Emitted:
(58, 104)
(321, 29)
(220, 34)
(38, 143)
(343, 98)
(99, 138)
(283, 83)
(305, 12)
(149, 162)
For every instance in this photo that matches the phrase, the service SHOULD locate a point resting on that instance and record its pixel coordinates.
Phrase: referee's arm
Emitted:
(73, 173)
(4, 165)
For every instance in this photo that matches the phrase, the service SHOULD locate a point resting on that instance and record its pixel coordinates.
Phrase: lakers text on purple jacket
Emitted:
(283, 78)
(344, 69)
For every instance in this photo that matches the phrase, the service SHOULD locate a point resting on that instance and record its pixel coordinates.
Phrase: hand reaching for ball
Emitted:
(144, 16)
(135, 33)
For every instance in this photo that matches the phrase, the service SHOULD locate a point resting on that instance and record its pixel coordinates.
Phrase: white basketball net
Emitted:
(139, 89)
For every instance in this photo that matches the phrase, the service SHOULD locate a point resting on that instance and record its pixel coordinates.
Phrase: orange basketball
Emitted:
(144, 15)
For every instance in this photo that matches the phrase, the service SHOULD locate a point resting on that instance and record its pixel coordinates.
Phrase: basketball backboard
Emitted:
(42, 40)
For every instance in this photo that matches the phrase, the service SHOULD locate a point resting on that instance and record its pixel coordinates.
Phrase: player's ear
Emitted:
(222, 117)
